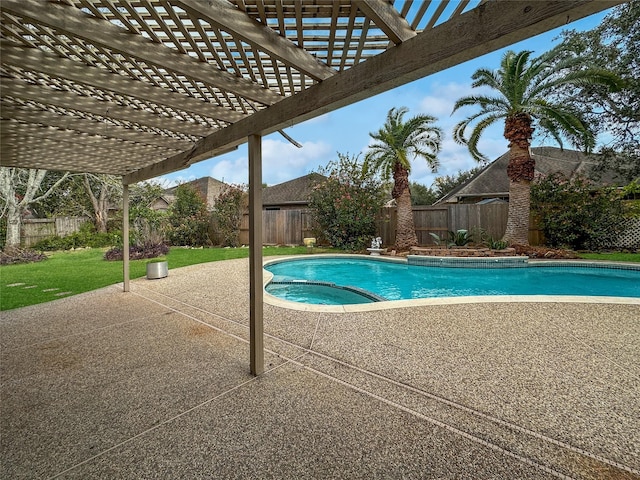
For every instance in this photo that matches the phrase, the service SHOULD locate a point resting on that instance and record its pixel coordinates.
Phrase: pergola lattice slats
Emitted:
(441, 47)
(106, 129)
(225, 16)
(37, 60)
(172, 82)
(70, 101)
(73, 22)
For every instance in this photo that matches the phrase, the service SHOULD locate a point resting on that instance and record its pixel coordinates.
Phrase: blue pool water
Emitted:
(310, 280)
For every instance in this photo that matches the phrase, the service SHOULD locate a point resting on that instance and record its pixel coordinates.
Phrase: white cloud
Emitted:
(281, 161)
(233, 171)
(442, 97)
(454, 157)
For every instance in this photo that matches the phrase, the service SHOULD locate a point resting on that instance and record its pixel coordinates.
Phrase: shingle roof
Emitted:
(493, 181)
(293, 192)
(209, 187)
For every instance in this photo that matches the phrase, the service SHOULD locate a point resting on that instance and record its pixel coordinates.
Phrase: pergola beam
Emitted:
(227, 17)
(490, 26)
(36, 60)
(387, 19)
(71, 21)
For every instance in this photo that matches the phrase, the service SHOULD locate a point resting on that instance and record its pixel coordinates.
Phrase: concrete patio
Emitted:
(155, 384)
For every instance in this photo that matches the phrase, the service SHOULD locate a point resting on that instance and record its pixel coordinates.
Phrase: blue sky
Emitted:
(347, 130)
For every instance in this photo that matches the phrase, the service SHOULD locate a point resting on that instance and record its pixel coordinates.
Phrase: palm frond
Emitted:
(482, 100)
(486, 78)
(562, 121)
(397, 142)
(476, 133)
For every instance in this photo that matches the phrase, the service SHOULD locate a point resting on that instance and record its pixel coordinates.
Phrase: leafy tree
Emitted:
(188, 218)
(615, 45)
(422, 195)
(103, 191)
(396, 144)
(142, 194)
(54, 204)
(227, 214)
(83, 195)
(346, 204)
(447, 183)
(523, 87)
(20, 188)
(148, 226)
(442, 185)
(575, 214)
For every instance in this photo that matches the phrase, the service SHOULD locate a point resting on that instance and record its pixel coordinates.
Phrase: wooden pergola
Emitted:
(140, 88)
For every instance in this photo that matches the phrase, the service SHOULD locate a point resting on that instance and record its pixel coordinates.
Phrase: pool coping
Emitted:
(393, 304)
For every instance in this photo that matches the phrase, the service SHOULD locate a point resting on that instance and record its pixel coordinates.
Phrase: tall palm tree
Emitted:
(396, 144)
(525, 99)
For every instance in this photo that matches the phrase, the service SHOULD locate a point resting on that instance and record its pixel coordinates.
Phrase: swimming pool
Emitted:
(349, 280)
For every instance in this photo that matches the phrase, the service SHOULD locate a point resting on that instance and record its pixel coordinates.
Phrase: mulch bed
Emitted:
(544, 252)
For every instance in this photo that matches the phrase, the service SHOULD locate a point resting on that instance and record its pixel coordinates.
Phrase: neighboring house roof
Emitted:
(162, 202)
(208, 186)
(293, 192)
(492, 181)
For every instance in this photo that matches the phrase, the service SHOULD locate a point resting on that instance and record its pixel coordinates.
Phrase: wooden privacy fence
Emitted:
(289, 227)
(36, 229)
(491, 218)
(280, 227)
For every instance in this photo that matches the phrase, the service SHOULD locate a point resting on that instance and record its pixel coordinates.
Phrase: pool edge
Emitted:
(421, 302)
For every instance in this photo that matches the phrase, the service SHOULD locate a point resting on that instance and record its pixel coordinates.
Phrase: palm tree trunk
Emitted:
(517, 231)
(405, 227)
(521, 168)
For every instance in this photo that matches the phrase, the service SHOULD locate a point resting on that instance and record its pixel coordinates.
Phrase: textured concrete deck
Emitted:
(155, 384)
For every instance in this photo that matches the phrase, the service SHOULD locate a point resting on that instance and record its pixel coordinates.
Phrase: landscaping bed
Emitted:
(441, 251)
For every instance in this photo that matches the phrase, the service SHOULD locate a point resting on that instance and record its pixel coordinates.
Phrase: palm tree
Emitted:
(396, 144)
(526, 87)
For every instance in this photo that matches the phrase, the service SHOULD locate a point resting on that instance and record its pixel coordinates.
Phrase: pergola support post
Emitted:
(125, 236)
(256, 331)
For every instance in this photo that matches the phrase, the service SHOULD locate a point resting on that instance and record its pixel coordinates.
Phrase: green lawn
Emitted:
(612, 257)
(69, 273)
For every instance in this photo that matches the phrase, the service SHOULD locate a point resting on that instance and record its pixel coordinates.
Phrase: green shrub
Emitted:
(495, 244)
(227, 214)
(148, 226)
(85, 237)
(188, 218)
(345, 205)
(459, 238)
(574, 214)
